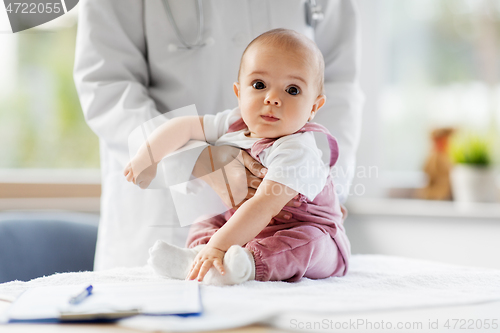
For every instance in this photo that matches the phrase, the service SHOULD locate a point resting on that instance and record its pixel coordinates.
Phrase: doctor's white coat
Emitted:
(128, 70)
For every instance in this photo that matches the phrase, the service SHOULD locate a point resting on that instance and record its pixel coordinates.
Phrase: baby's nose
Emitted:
(272, 99)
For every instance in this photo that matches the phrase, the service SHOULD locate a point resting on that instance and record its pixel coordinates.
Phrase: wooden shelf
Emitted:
(87, 205)
(425, 208)
(36, 190)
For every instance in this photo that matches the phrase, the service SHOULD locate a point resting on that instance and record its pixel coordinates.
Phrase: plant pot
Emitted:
(473, 184)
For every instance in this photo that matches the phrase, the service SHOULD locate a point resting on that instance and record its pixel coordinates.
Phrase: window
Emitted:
(425, 64)
(41, 122)
(442, 68)
(49, 157)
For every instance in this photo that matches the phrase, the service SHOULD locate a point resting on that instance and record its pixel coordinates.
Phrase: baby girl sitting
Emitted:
(279, 90)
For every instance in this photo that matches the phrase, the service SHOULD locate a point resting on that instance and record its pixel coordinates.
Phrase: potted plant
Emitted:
(472, 176)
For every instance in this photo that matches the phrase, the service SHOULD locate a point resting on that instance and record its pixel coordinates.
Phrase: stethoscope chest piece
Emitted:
(314, 13)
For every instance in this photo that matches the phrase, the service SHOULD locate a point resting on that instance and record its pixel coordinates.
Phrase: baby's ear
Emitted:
(320, 101)
(236, 89)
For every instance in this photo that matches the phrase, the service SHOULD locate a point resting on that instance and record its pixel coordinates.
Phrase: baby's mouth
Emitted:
(269, 118)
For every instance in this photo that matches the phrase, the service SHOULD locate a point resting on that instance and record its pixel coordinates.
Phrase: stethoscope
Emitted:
(314, 14)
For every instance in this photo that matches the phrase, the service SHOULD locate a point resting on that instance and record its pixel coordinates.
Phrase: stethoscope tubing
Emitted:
(201, 25)
(313, 15)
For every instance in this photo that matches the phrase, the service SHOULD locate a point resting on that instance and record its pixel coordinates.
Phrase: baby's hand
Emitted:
(145, 176)
(204, 260)
(129, 173)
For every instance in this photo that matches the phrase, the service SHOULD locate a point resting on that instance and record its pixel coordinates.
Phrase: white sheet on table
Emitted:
(374, 282)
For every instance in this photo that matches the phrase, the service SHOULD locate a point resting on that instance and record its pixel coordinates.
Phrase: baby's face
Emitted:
(277, 91)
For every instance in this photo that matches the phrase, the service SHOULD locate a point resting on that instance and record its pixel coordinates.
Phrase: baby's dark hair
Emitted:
(291, 40)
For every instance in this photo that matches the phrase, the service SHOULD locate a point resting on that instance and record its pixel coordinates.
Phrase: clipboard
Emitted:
(108, 302)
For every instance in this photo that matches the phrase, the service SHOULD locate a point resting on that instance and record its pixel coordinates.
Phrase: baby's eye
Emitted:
(258, 85)
(293, 90)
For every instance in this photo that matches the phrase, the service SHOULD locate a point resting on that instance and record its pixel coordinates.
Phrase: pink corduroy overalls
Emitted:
(311, 244)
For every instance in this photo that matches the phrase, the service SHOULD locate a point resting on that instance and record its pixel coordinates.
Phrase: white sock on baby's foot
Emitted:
(239, 266)
(170, 260)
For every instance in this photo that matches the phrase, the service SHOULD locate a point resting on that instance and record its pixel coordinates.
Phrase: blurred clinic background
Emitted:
(426, 184)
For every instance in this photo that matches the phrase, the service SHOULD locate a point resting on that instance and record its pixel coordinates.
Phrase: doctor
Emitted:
(136, 59)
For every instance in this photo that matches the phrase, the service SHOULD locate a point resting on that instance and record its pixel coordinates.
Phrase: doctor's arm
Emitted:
(337, 36)
(111, 71)
(246, 223)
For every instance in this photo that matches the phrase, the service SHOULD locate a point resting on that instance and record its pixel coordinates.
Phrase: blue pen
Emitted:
(81, 296)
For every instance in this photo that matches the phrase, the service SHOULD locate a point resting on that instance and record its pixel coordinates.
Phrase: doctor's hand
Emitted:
(242, 176)
(204, 260)
(255, 173)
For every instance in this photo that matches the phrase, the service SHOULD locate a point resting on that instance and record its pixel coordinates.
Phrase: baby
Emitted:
(279, 90)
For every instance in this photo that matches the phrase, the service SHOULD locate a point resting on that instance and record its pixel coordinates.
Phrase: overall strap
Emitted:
(238, 125)
(262, 144)
(332, 142)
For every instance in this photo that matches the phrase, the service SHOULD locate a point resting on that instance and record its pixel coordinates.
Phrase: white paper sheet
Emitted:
(174, 297)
